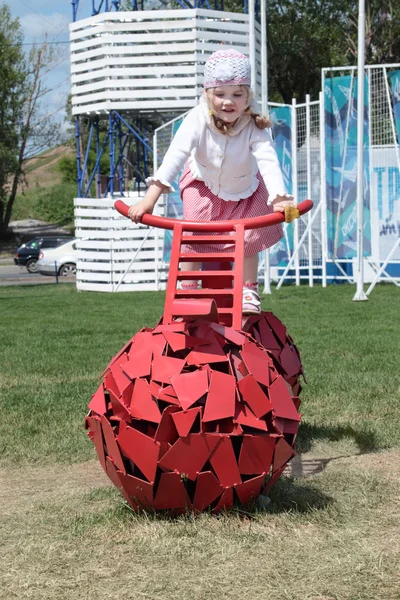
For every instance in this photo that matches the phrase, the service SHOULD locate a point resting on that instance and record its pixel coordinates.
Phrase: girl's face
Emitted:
(229, 102)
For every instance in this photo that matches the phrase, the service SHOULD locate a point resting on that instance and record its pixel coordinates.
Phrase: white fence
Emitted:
(114, 254)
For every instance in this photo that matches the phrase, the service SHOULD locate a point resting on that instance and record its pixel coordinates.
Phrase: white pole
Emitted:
(294, 188)
(264, 59)
(360, 294)
(264, 111)
(252, 45)
(324, 244)
(308, 153)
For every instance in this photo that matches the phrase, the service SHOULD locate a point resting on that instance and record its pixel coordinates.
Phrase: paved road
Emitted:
(13, 275)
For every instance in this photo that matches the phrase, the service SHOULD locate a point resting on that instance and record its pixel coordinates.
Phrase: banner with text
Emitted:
(340, 97)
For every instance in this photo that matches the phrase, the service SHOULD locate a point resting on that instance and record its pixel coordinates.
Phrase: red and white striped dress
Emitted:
(200, 204)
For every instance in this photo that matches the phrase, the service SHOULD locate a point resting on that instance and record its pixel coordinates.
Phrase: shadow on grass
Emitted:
(289, 495)
(365, 440)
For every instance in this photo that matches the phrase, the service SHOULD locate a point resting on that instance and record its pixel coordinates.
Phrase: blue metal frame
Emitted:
(119, 132)
(99, 6)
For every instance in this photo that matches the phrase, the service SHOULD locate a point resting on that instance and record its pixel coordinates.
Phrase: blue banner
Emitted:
(282, 133)
(394, 78)
(340, 96)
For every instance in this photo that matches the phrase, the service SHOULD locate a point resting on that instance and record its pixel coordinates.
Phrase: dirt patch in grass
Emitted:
(67, 534)
(22, 487)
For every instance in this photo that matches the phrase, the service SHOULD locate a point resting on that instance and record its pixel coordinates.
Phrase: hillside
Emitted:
(43, 195)
(42, 170)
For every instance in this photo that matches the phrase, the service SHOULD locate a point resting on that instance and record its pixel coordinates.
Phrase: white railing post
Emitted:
(295, 189)
(324, 246)
(308, 154)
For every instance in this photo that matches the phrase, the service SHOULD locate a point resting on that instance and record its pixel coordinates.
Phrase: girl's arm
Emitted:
(148, 203)
(178, 153)
(262, 148)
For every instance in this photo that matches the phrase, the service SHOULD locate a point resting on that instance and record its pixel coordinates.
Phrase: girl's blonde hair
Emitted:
(259, 121)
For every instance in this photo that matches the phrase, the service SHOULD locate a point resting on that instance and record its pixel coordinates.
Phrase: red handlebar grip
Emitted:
(253, 223)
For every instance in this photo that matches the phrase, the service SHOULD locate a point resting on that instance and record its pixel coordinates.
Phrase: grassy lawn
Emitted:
(65, 533)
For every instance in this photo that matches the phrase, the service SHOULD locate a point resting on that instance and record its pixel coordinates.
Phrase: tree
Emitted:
(27, 128)
(13, 74)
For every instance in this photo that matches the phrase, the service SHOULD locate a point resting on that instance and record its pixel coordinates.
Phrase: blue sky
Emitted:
(51, 17)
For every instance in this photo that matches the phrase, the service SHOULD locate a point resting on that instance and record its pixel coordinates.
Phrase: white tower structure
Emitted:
(132, 71)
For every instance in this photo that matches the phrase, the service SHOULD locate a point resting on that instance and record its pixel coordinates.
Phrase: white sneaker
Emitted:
(251, 302)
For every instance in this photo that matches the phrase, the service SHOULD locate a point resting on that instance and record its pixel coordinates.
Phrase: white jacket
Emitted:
(228, 164)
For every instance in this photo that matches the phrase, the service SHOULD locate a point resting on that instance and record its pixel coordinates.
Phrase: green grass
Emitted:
(67, 534)
(56, 343)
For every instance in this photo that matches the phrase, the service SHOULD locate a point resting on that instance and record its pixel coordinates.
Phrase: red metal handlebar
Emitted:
(254, 223)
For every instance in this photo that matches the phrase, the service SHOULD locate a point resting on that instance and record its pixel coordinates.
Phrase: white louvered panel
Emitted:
(94, 244)
(130, 82)
(107, 255)
(164, 52)
(116, 266)
(104, 235)
(113, 277)
(107, 242)
(132, 52)
(160, 93)
(83, 286)
(177, 105)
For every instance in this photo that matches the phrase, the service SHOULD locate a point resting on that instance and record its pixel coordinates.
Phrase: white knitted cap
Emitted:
(226, 67)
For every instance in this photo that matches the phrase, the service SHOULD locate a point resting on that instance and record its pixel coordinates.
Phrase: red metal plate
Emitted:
(184, 420)
(190, 387)
(277, 327)
(290, 361)
(224, 463)
(283, 453)
(111, 386)
(121, 380)
(140, 491)
(229, 333)
(254, 396)
(220, 403)
(287, 425)
(112, 473)
(249, 490)
(256, 454)
(273, 479)
(208, 489)
(244, 416)
(139, 364)
(175, 326)
(209, 353)
(257, 362)
(142, 405)
(165, 367)
(282, 400)
(171, 492)
(97, 436)
(166, 430)
(141, 450)
(112, 446)
(98, 402)
(187, 456)
(225, 502)
(268, 340)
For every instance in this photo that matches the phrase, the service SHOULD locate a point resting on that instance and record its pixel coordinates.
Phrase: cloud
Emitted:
(36, 26)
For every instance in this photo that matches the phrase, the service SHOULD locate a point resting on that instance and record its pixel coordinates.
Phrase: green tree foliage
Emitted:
(13, 76)
(26, 127)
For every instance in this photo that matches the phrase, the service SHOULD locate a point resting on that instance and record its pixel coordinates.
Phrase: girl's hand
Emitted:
(145, 206)
(281, 202)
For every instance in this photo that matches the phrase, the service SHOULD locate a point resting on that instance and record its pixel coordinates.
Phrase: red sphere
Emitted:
(196, 415)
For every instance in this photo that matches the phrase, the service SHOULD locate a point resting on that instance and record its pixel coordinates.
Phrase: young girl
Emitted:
(232, 170)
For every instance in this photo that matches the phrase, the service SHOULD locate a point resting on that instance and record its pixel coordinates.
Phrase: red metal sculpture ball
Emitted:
(196, 415)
